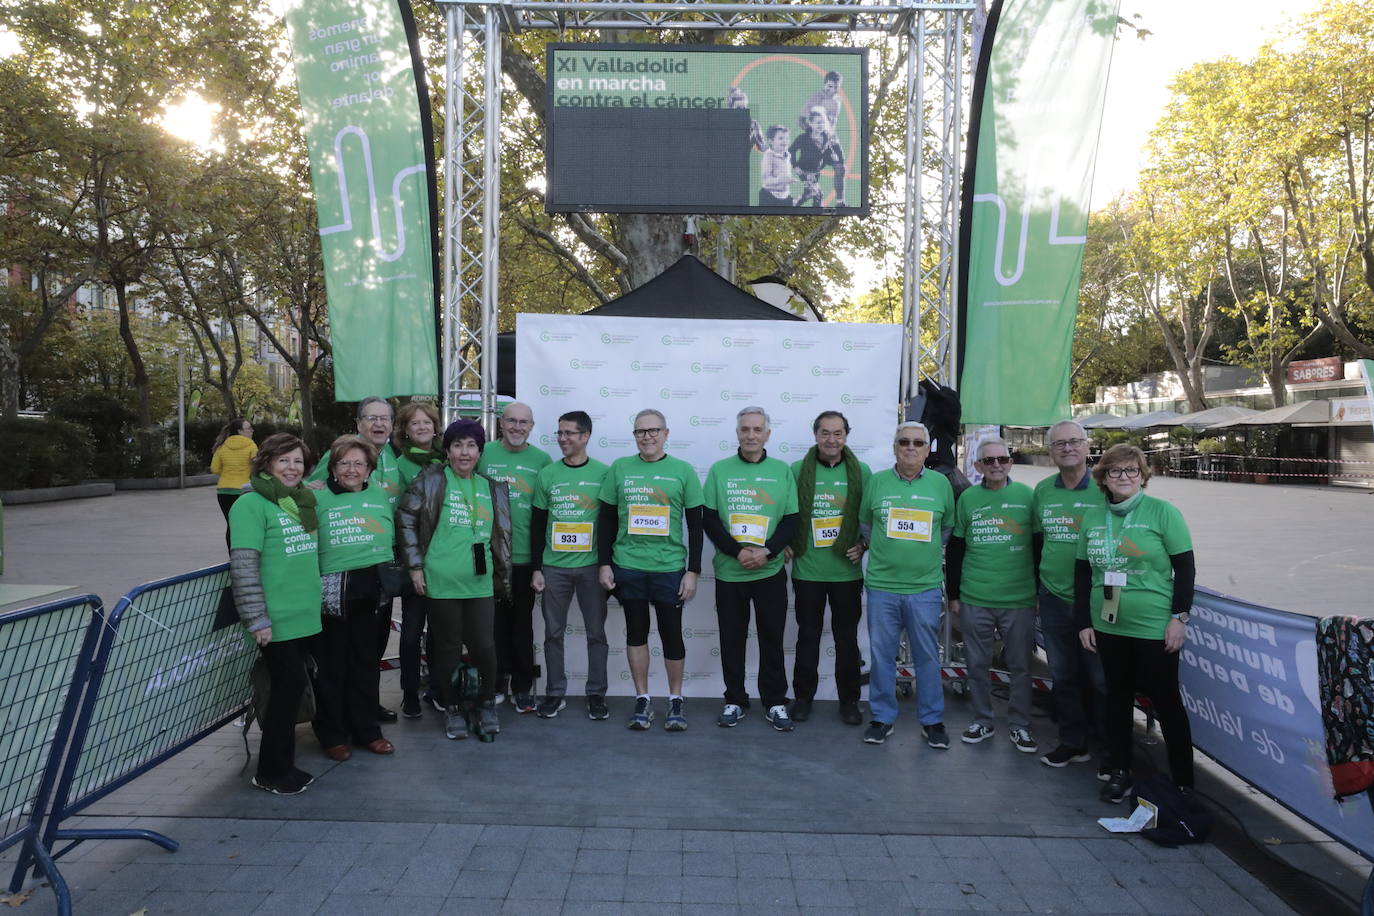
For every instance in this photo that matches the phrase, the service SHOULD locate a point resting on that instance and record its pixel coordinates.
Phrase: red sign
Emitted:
(1327, 369)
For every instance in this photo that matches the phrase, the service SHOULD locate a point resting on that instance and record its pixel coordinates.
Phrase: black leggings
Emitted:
(669, 626)
(1133, 665)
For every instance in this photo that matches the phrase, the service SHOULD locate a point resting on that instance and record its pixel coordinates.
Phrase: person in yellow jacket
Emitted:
(231, 458)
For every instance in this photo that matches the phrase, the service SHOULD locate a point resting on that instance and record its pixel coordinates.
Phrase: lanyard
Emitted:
(1110, 545)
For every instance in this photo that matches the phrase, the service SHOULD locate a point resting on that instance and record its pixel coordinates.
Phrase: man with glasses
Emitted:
(907, 512)
(750, 516)
(825, 556)
(563, 557)
(645, 500)
(513, 461)
(1060, 503)
(990, 576)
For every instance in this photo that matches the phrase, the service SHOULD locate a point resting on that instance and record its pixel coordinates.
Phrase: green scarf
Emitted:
(423, 457)
(1126, 505)
(297, 502)
(806, 493)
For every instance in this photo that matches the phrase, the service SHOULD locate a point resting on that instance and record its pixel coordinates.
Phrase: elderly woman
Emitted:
(455, 535)
(416, 446)
(275, 573)
(356, 534)
(230, 458)
(1133, 588)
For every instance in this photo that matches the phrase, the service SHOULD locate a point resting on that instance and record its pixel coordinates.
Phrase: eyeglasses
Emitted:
(995, 459)
(1067, 443)
(376, 418)
(568, 434)
(1125, 470)
(648, 432)
(912, 443)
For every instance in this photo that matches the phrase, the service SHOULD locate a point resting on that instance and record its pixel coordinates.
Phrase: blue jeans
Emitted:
(1079, 689)
(919, 615)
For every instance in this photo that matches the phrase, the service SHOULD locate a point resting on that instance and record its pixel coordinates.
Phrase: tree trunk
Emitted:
(9, 380)
(126, 333)
(652, 242)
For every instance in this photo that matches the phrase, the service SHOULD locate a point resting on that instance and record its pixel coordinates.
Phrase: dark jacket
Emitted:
(418, 513)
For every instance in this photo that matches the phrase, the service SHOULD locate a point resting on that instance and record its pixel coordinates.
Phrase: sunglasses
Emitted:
(996, 459)
(912, 443)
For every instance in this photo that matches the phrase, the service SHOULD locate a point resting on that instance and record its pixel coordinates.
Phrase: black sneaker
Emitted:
(1064, 755)
(936, 736)
(850, 714)
(877, 732)
(288, 785)
(410, 705)
(801, 710)
(1104, 771)
(433, 699)
(1117, 788)
(523, 702)
(597, 708)
(550, 707)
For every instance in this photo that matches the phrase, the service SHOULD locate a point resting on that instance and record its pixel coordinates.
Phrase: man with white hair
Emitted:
(1060, 503)
(990, 580)
(907, 511)
(750, 517)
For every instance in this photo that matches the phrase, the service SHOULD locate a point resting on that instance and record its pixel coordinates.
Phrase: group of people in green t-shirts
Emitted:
(482, 530)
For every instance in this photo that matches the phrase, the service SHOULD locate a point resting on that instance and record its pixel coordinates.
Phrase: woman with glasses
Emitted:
(1133, 588)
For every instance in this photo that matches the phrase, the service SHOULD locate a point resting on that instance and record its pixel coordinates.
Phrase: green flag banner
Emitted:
(1043, 76)
(366, 123)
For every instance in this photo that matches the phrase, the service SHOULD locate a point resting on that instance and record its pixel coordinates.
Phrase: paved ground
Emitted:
(575, 816)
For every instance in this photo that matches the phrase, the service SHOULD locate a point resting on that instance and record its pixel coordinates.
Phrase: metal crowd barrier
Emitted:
(45, 657)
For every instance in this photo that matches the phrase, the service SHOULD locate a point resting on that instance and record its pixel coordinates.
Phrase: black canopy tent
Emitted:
(688, 289)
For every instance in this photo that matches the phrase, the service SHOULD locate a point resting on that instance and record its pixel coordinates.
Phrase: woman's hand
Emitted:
(1088, 638)
(1173, 635)
(855, 553)
(688, 588)
(417, 579)
(262, 637)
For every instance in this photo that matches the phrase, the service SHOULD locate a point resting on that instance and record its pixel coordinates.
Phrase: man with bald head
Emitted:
(1056, 520)
(512, 460)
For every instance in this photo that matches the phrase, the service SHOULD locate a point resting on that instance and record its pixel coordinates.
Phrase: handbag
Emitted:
(331, 594)
(395, 579)
(1181, 819)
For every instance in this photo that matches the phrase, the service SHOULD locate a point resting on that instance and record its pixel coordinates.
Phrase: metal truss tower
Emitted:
(933, 34)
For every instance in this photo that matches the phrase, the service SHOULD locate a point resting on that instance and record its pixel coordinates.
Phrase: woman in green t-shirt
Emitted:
(274, 568)
(454, 527)
(1133, 588)
(416, 444)
(356, 534)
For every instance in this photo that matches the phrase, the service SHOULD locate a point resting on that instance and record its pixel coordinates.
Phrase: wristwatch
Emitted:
(1182, 618)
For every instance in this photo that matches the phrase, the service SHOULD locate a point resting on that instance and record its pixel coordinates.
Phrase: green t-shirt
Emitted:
(1139, 544)
(521, 471)
(650, 497)
(570, 496)
(288, 564)
(907, 518)
(465, 520)
(356, 529)
(999, 567)
(1058, 516)
(750, 500)
(822, 524)
(386, 477)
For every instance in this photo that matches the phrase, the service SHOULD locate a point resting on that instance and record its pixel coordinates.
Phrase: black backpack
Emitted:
(1182, 818)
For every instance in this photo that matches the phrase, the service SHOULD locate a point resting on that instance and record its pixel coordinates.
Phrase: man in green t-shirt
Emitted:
(513, 461)
(825, 565)
(750, 517)
(907, 512)
(990, 576)
(1079, 689)
(645, 500)
(563, 557)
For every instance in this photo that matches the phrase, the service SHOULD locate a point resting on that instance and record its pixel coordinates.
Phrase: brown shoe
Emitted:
(338, 753)
(381, 746)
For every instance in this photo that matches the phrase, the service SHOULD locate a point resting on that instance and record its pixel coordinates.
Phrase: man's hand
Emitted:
(537, 581)
(417, 579)
(787, 554)
(855, 553)
(262, 637)
(1088, 638)
(606, 576)
(753, 557)
(688, 588)
(1173, 635)
(953, 610)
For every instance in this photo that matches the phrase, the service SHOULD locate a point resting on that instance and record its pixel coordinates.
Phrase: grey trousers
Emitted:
(980, 626)
(559, 587)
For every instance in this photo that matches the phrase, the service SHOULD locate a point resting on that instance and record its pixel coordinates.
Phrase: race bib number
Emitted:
(571, 537)
(824, 531)
(651, 520)
(909, 524)
(748, 529)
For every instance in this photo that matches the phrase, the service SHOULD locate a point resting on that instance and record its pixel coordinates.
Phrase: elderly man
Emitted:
(1060, 504)
(374, 418)
(514, 462)
(907, 511)
(751, 515)
(990, 576)
(830, 490)
(645, 500)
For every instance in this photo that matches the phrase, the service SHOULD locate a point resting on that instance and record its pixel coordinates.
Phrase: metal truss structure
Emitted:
(933, 35)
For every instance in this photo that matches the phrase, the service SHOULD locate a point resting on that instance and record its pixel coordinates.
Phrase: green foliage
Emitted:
(43, 453)
(1219, 445)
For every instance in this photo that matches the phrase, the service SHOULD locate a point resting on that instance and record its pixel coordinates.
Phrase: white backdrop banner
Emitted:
(700, 373)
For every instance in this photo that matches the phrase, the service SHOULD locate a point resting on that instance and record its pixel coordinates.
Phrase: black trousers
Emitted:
(286, 670)
(346, 672)
(846, 608)
(515, 634)
(226, 502)
(769, 598)
(1134, 666)
(455, 623)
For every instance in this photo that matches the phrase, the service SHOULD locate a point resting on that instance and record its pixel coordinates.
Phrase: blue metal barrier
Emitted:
(45, 657)
(163, 678)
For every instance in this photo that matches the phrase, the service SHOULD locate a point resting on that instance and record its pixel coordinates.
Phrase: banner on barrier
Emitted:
(1248, 676)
